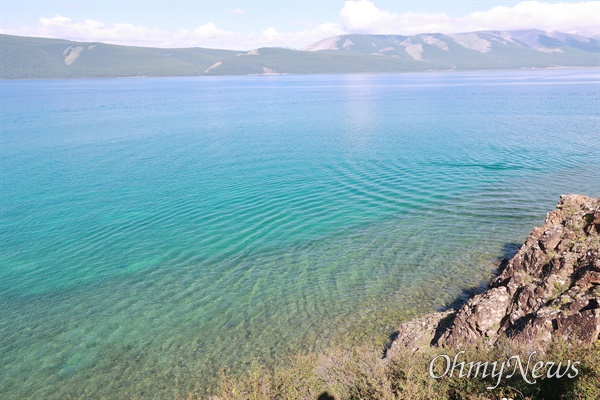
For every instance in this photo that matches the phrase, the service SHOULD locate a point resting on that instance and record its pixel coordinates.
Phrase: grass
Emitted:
(361, 373)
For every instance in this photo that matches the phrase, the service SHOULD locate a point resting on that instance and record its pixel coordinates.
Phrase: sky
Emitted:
(251, 24)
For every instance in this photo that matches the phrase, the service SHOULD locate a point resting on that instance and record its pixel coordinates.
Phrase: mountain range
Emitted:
(40, 58)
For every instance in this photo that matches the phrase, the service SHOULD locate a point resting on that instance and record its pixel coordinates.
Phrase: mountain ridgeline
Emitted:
(38, 58)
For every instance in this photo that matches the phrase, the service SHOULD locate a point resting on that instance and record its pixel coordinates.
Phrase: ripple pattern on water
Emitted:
(154, 231)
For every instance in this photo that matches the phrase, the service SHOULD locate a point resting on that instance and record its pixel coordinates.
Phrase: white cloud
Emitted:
(207, 35)
(581, 17)
(363, 16)
(357, 16)
(56, 21)
(299, 39)
(238, 11)
(271, 34)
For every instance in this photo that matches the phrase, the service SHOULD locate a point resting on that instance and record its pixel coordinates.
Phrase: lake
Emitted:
(154, 231)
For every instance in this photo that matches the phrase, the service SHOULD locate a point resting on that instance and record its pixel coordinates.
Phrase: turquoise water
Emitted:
(157, 230)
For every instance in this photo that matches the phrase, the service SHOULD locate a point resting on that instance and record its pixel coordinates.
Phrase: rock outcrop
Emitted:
(549, 290)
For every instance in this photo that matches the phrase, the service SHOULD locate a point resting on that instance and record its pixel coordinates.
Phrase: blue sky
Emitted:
(253, 23)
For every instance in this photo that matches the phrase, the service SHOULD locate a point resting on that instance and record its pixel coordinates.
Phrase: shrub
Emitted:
(361, 373)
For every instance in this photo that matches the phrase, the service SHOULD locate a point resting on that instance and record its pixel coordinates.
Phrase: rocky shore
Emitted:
(547, 294)
(549, 290)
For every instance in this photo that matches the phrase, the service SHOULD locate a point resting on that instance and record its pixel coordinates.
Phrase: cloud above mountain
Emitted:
(363, 16)
(356, 16)
(206, 35)
(127, 34)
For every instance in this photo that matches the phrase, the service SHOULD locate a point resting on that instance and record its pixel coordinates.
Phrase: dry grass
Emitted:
(361, 373)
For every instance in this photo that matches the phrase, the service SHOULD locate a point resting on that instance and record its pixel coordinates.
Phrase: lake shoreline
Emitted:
(548, 291)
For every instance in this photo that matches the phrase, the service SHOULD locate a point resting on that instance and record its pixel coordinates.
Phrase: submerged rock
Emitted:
(549, 290)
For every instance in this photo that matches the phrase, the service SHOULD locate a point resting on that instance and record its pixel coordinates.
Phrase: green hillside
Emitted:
(275, 60)
(35, 58)
(38, 58)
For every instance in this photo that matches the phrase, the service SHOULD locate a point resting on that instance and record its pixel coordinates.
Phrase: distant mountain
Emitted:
(31, 58)
(37, 58)
(486, 49)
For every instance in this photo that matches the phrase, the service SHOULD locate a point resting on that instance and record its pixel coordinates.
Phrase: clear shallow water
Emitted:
(155, 230)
